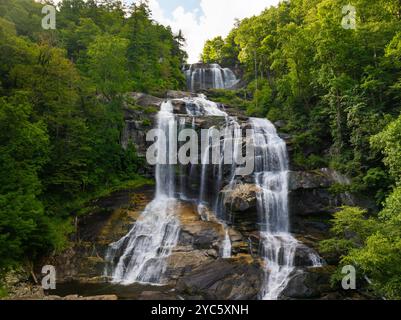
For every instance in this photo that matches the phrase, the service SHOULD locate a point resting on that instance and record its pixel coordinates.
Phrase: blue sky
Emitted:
(200, 20)
(170, 5)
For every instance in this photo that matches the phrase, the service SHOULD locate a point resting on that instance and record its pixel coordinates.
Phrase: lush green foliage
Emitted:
(334, 87)
(221, 51)
(338, 90)
(61, 112)
(373, 243)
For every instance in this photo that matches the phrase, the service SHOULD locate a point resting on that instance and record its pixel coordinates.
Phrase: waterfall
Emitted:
(182, 167)
(232, 142)
(316, 260)
(229, 78)
(201, 106)
(278, 246)
(141, 255)
(217, 72)
(209, 76)
(205, 162)
(143, 251)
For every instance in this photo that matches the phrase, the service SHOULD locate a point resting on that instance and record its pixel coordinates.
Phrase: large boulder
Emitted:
(146, 100)
(311, 192)
(179, 106)
(240, 198)
(309, 180)
(306, 257)
(134, 132)
(195, 232)
(184, 260)
(172, 94)
(300, 287)
(224, 279)
(307, 284)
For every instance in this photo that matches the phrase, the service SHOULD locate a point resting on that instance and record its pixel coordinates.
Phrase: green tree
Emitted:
(213, 51)
(108, 65)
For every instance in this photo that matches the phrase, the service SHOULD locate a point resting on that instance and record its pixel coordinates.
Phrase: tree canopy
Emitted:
(338, 91)
(61, 111)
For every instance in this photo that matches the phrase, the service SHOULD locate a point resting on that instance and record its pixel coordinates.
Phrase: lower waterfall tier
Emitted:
(204, 227)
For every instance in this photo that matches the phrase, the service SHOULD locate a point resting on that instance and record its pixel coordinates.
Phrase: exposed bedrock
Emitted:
(195, 267)
(313, 200)
(224, 279)
(195, 259)
(310, 283)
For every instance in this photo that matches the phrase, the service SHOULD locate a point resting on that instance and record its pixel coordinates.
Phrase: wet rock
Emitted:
(305, 257)
(241, 198)
(235, 235)
(172, 94)
(286, 137)
(301, 286)
(145, 100)
(280, 124)
(184, 262)
(196, 232)
(316, 202)
(179, 106)
(312, 201)
(140, 117)
(134, 132)
(224, 279)
(110, 219)
(155, 295)
(309, 180)
(309, 283)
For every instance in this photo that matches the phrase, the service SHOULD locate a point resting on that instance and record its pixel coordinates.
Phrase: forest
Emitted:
(62, 94)
(61, 115)
(339, 91)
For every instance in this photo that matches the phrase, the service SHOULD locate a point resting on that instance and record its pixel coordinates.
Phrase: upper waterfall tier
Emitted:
(202, 76)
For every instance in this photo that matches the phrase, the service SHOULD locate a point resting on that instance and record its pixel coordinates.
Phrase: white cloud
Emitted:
(217, 18)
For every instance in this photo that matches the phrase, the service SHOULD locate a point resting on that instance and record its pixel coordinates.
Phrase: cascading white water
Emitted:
(230, 80)
(145, 248)
(218, 82)
(141, 255)
(232, 143)
(201, 106)
(316, 260)
(205, 162)
(143, 251)
(182, 167)
(209, 76)
(271, 176)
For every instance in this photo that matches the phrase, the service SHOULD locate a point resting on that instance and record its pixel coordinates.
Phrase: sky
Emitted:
(201, 20)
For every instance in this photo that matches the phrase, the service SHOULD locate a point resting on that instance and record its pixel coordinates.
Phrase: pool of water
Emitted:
(131, 292)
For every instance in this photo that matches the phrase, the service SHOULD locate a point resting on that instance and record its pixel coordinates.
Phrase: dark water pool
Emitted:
(131, 292)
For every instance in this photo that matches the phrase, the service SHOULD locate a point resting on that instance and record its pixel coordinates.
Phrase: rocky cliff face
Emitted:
(195, 269)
